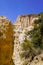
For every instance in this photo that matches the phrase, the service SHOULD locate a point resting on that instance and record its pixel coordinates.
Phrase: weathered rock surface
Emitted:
(23, 24)
(38, 60)
(6, 41)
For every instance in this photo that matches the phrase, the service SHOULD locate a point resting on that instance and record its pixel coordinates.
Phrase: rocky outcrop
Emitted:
(23, 24)
(6, 41)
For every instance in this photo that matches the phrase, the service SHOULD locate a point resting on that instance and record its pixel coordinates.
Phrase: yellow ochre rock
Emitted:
(6, 41)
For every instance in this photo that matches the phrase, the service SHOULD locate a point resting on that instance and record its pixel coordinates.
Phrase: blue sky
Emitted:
(12, 8)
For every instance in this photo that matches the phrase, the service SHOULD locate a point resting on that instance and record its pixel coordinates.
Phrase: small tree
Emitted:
(37, 34)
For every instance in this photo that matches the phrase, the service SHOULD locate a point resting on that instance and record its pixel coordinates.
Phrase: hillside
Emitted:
(6, 41)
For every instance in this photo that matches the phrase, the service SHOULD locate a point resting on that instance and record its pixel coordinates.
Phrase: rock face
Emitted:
(6, 41)
(23, 24)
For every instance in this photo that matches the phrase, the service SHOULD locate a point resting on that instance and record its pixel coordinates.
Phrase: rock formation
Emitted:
(23, 24)
(6, 41)
(12, 36)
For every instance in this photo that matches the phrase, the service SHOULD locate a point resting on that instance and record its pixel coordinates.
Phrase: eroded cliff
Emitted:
(23, 24)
